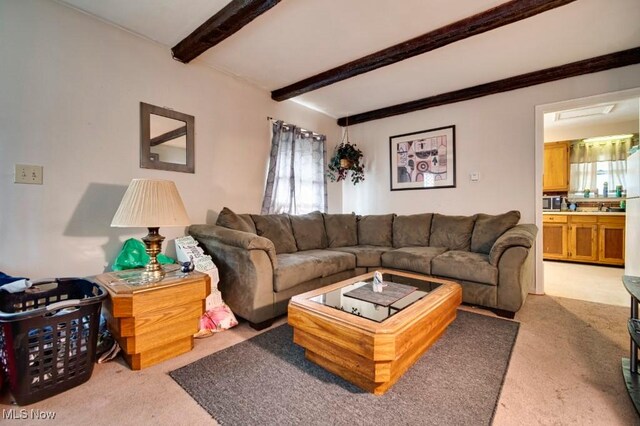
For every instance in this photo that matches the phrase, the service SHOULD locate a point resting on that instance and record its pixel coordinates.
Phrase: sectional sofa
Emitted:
(264, 260)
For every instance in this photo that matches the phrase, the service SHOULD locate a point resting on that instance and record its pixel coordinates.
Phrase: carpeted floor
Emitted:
(267, 381)
(565, 370)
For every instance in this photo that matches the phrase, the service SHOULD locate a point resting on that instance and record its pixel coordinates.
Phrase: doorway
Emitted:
(566, 124)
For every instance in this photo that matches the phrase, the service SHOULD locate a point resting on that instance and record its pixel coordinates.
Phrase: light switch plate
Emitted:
(25, 173)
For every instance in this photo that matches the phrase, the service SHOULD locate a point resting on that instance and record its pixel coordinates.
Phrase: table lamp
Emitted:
(151, 203)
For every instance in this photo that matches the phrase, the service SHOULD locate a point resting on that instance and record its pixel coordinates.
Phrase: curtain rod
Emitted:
(283, 123)
(289, 124)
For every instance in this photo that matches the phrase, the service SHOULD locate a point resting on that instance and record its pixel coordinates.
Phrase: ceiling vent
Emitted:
(584, 112)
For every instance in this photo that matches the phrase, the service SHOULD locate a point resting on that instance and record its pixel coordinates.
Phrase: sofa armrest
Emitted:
(233, 238)
(523, 235)
(245, 266)
(516, 276)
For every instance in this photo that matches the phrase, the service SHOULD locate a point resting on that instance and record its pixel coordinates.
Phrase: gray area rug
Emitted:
(267, 381)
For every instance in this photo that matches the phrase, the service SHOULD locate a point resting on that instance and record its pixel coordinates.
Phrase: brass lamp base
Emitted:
(153, 271)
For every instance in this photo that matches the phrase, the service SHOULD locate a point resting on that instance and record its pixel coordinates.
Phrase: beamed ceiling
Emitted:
(369, 59)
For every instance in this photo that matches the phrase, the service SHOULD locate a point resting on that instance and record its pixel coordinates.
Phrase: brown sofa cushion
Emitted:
(412, 230)
(451, 232)
(277, 228)
(308, 230)
(488, 229)
(239, 222)
(414, 259)
(366, 256)
(375, 230)
(465, 265)
(342, 229)
(297, 268)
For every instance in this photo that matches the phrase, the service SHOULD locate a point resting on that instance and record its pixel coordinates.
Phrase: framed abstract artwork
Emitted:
(424, 159)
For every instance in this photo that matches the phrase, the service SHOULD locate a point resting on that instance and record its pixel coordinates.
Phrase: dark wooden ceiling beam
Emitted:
(223, 24)
(496, 17)
(168, 136)
(573, 69)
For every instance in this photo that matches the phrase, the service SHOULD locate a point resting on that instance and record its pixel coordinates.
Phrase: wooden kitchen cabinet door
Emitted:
(611, 243)
(554, 241)
(583, 241)
(556, 167)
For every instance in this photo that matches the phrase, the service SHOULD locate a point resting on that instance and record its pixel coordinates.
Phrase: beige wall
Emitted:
(495, 137)
(70, 88)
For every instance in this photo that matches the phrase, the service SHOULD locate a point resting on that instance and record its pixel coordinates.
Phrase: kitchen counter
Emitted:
(570, 213)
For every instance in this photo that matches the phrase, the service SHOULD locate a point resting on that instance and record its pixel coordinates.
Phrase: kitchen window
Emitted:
(594, 163)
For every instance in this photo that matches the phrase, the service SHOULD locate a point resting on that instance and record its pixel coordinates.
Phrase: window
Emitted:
(612, 172)
(296, 182)
(594, 163)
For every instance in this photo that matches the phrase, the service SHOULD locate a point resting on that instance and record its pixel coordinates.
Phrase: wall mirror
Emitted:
(166, 139)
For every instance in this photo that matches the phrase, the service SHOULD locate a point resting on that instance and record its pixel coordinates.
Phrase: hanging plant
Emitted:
(346, 158)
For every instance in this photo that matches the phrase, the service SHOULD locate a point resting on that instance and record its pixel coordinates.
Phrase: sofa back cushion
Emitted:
(412, 230)
(489, 228)
(239, 222)
(308, 230)
(375, 230)
(451, 232)
(277, 228)
(342, 230)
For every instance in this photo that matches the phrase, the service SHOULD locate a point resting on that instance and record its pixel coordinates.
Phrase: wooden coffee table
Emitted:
(371, 345)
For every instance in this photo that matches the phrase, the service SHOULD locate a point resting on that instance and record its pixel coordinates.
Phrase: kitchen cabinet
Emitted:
(583, 238)
(556, 167)
(554, 237)
(583, 241)
(611, 244)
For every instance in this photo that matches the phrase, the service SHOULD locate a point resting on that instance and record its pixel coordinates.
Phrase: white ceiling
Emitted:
(300, 38)
(622, 112)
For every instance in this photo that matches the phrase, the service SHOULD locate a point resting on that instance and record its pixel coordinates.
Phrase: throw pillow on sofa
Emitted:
(488, 229)
(412, 230)
(277, 228)
(308, 230)
(342, 230)
(238, 222)
(375, 230)
(451, 232)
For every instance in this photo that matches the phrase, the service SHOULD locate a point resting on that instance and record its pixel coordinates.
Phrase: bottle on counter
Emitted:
(605, 189)
(563, 205)
(618, 190)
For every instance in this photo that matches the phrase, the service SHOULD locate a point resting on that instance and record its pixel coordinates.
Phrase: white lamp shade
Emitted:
(151, 203)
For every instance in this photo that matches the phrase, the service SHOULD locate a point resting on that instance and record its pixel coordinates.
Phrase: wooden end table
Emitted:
(154, 322)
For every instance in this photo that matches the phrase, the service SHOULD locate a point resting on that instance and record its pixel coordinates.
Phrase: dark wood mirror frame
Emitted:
(146, 161)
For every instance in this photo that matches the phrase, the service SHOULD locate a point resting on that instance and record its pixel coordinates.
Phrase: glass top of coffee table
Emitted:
(401, 292)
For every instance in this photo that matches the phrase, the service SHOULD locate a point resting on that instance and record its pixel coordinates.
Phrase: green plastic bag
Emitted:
(134, 255)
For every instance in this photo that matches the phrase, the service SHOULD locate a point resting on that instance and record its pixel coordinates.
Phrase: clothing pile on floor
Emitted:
(218, 316)
(216, 319)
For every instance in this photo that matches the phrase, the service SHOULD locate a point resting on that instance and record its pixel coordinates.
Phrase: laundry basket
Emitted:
(48, 336)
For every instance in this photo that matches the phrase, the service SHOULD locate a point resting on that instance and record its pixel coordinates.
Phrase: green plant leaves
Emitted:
(346, 151)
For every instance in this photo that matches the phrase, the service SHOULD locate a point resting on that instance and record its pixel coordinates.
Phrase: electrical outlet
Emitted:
(474, 177)
(28, 174)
